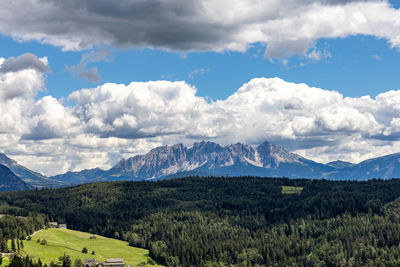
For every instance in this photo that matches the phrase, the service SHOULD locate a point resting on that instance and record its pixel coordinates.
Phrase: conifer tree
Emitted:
(3, 245)
(13, 248)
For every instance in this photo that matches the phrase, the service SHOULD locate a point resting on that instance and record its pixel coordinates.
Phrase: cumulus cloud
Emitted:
(25, 61)
(20, 80)
(296, 115)
(286, 27)
(22, 77)
(139, 109)
(49, 119)
(114, 121)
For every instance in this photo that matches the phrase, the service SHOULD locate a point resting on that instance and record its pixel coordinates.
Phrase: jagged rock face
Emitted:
(272, 155)
(166, 160)
(208, 158)
(9, 181)
(157, 161)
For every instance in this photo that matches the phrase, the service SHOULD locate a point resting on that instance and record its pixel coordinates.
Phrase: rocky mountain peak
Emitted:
(208, 155)
(206, 147)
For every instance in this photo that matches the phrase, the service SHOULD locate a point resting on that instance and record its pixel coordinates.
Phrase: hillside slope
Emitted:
(33, 178)
(9, 181)
(60, 241)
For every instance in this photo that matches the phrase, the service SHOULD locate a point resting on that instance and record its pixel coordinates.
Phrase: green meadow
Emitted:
(290, 190)
(60, 241)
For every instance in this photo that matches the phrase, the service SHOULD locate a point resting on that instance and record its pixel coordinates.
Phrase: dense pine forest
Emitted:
(233, 221)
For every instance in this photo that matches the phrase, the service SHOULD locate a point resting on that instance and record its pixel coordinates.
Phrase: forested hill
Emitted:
(200, 221)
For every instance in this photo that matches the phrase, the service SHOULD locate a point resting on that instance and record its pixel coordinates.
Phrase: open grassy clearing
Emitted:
(290, 190)
(60, 241)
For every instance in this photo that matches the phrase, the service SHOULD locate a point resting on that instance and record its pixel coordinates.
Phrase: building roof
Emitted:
(114, 260)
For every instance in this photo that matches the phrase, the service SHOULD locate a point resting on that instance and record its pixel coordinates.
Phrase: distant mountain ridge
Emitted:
(9, 181)
(384, 167)
(212, 159)
(206, 159)
(79, 177)
(339, 164)
(32, 178)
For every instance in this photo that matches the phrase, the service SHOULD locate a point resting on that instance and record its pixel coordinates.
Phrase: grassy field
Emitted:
(289, 190)
(60, 241)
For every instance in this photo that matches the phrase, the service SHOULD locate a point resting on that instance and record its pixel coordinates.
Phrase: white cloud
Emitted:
(20, 80)
(139, 109)
(25, 61)
(296, 115)
(287, 27)
(114, 121)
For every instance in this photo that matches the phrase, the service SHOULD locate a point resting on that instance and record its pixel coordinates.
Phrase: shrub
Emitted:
(43, 242)
(84, 250)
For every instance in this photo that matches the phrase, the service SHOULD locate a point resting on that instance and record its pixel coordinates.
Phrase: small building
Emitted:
(53, 224)
(92, 237)
(114, 262)
(90, 262)
(62, 225)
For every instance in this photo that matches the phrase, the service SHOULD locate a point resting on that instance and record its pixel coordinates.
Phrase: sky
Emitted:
(84, 84)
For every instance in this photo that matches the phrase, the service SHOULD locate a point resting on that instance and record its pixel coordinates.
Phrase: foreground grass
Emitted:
(289, 190)
(60, 241)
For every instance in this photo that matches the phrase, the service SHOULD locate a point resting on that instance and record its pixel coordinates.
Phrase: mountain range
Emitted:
(212, 159)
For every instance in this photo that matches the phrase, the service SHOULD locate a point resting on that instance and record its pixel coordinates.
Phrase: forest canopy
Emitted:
(241, 221)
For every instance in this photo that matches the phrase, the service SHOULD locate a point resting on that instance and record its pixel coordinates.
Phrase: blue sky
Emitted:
(357, 66)
(294, 72)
